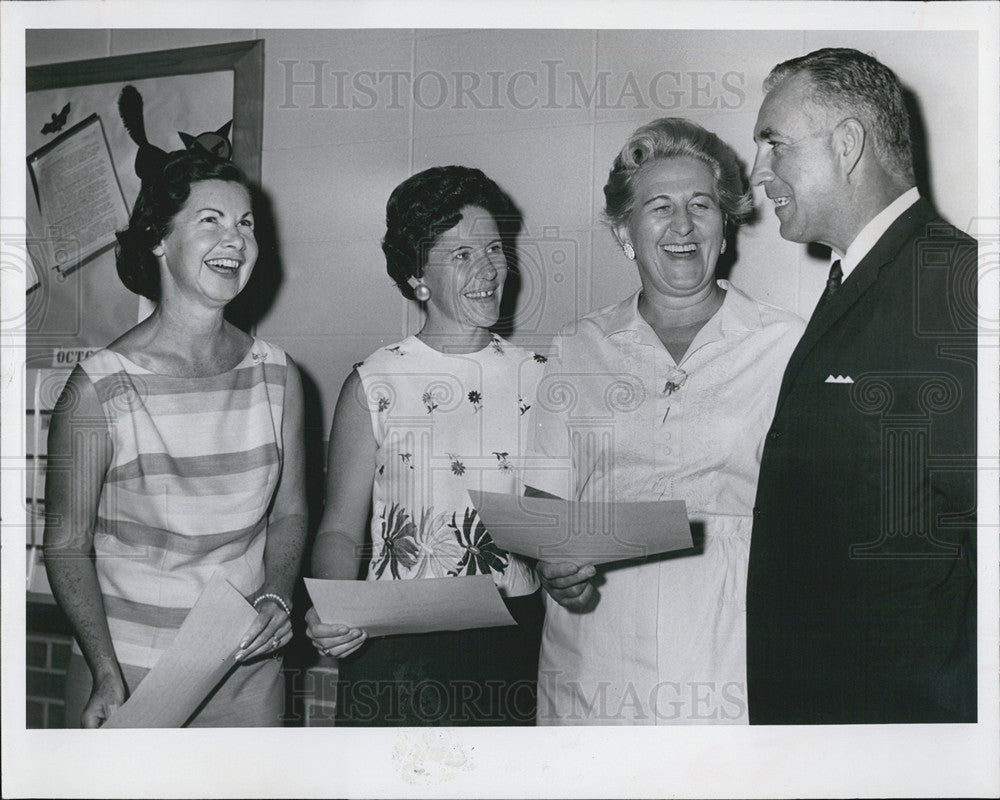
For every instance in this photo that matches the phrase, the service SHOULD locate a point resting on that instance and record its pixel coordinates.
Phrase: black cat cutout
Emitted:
(150, 159)
(215, 143)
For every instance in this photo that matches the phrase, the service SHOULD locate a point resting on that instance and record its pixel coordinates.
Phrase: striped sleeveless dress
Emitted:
(194, 468)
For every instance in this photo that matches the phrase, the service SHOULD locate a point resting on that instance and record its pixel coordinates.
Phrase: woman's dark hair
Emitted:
(159, 200)
(429, 203)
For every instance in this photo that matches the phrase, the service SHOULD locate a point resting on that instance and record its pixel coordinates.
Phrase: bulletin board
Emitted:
(75, 133)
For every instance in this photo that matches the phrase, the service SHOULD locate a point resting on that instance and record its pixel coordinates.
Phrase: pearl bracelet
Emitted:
(277, 599)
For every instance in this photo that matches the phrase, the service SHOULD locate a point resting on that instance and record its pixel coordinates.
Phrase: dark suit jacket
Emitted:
(861, 596)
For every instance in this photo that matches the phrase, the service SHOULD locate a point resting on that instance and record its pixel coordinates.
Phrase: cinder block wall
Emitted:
(348, 114)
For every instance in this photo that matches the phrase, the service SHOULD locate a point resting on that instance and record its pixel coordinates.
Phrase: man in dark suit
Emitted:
(861, 598)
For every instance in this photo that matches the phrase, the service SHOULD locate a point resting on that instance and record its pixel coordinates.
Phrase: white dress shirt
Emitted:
(872, 232)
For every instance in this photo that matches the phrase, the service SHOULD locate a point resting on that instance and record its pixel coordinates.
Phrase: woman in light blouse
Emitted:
(665, 395)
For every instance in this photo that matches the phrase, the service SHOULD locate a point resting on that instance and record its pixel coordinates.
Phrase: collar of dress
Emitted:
(739, 314)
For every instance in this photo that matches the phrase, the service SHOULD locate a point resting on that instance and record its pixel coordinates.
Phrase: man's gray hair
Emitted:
(857, 84)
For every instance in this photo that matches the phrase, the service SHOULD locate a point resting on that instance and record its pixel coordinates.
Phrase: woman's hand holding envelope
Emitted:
(570, 586)
(333, 640)
(108, 694)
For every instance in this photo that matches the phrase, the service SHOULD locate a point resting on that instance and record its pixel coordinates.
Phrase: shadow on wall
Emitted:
(918, 143)
(510, 230)
(299, 655)
(314, 425)
(256, 299)
(726, 260)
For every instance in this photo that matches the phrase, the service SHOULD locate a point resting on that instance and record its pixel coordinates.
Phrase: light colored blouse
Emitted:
(618, 420)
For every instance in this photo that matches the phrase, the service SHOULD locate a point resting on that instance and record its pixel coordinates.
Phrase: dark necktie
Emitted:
(833, 282)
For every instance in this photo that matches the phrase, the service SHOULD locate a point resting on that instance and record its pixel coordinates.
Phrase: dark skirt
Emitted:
(485, 676)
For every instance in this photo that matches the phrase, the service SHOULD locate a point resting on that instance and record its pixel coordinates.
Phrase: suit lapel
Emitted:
(860, 281)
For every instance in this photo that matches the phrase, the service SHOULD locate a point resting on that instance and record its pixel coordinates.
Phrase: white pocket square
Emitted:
(839, 379)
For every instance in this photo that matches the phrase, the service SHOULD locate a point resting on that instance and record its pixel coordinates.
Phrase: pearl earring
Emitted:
(629, 252)
(420, 289)
(723, 248)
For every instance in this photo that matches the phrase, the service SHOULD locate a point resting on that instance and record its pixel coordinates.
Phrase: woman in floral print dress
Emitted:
(417, 425)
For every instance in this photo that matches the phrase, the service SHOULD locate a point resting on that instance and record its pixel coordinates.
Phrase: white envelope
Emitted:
(421, 605)
(583, 533)
(198, 658)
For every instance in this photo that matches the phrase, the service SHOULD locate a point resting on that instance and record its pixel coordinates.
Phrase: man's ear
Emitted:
(849, 141)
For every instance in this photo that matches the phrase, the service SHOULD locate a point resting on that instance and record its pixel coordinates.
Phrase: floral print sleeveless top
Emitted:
(445, 424)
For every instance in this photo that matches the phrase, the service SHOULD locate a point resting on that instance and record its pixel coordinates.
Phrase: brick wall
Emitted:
(310, 687)
(320, 693)
(47, 657)
(48, 644)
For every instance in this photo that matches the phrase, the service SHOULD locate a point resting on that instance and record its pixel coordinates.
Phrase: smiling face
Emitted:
(797, 167)
(210, 251)
(676, 228)
(465, 272)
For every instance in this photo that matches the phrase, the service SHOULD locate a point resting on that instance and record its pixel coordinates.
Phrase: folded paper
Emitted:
(199, 657)
(383, 608)
(583, 533)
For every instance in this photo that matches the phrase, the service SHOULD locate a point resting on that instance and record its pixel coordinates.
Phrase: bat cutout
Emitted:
(57, 122)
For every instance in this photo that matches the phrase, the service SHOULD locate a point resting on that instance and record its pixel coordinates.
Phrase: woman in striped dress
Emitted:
(175, 455)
